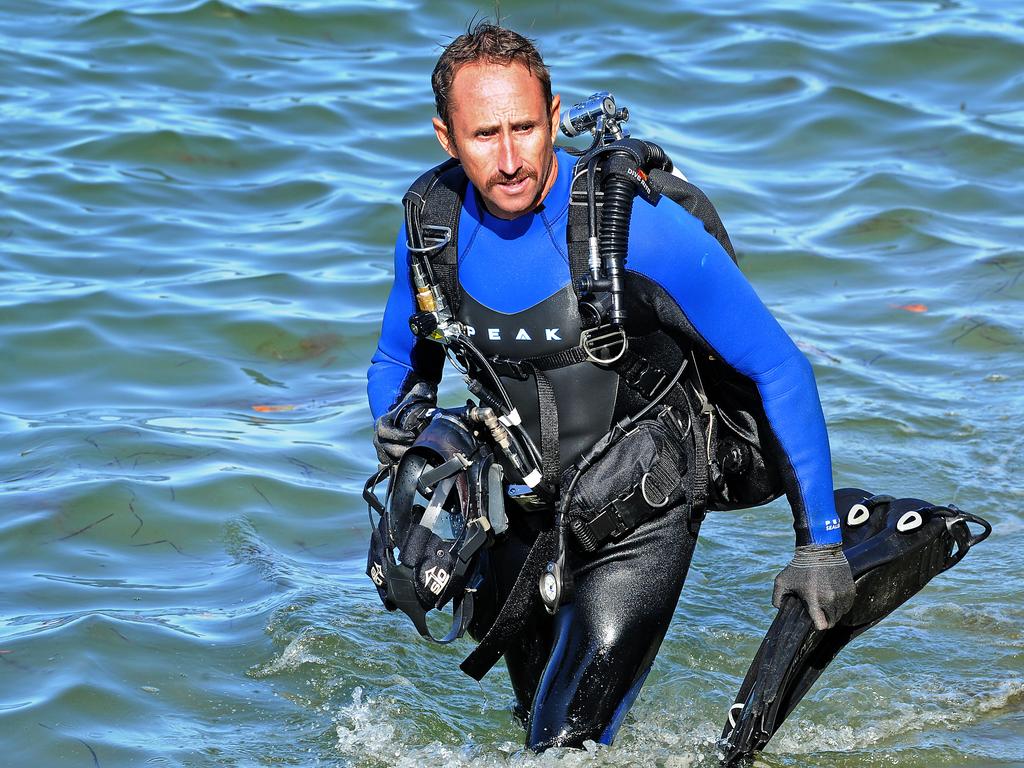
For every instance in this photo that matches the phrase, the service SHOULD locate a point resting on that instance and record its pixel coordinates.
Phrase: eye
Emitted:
(523, 127)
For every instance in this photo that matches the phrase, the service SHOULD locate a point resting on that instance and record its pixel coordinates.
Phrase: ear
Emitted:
(444, 138)
(556, 107)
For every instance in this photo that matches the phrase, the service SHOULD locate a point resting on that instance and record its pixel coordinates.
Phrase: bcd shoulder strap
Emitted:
(433, 205)
(577, 229)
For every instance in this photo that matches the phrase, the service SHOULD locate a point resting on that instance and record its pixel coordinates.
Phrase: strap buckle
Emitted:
(649, 380)
(616, 518)
(507, 366)
(605, 344)
(608, 523)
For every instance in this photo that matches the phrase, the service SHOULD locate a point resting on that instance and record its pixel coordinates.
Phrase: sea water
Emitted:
(200, 201)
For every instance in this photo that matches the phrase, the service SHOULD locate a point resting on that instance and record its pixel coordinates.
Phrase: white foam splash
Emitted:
(292, 657)
(366, 731)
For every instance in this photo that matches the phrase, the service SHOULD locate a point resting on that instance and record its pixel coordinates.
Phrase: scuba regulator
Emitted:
(623, 165)
(599, 115)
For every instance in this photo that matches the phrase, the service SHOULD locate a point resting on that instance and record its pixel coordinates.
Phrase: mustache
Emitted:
(520, 175)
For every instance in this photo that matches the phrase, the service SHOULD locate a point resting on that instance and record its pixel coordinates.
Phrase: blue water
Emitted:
(199, 206)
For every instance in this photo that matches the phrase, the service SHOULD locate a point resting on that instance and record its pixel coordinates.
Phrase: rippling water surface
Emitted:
(199, 202)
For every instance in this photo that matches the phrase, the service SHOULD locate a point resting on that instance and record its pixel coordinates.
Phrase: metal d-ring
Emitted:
(437, 236)
(595, 340)
(643, 492)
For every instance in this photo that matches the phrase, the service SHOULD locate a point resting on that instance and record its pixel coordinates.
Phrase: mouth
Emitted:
(513, 186)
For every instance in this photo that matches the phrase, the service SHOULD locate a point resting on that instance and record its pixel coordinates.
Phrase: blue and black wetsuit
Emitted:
(577, 674)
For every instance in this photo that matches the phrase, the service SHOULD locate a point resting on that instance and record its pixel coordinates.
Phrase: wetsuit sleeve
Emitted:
(401, 358)
(670, 247)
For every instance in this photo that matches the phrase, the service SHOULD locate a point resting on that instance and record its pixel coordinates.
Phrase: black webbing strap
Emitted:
(433, 205)
(428, 479)
(520, 368)
(548, 407)
(577, 230)
(522, 603)
(559, 359)
(402, 592)
(703, 428)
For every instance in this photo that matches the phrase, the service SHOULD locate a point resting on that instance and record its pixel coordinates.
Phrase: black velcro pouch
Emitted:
(741, 477)
(640, 475)
(743, 473)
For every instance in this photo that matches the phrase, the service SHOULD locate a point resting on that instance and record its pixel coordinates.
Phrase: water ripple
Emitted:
(201, 199)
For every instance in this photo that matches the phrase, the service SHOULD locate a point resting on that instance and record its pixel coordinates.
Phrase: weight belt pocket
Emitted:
(640, 476)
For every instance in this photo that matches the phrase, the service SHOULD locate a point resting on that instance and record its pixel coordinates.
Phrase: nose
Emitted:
(509, 161)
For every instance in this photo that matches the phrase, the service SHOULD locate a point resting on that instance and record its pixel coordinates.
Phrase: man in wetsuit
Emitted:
(576, 674)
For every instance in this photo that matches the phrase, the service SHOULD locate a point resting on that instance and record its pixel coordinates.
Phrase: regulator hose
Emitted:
(619, 192)
(626, 168)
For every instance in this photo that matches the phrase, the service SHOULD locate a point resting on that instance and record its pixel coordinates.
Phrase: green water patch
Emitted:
(189, 154)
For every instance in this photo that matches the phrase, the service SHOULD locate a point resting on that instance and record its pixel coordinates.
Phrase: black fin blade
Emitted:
(894, 550)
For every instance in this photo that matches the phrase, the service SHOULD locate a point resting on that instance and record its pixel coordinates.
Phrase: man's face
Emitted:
(504, 135)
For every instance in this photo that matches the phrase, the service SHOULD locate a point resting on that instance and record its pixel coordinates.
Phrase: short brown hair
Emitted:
(485, 41)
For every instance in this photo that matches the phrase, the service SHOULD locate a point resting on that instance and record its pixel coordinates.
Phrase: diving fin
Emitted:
(895, 547)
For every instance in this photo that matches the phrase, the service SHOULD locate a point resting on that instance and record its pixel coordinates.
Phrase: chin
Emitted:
(514, 207)
(515, 213)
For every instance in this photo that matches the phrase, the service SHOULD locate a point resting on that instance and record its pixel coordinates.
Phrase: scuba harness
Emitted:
(605, 181)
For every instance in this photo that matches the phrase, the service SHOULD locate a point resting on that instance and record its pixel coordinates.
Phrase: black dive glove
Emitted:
(398, 429)
(820, 576)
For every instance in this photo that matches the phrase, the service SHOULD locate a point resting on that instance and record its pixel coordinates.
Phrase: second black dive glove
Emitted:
(398, 429)
(820, 576)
